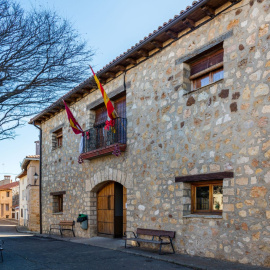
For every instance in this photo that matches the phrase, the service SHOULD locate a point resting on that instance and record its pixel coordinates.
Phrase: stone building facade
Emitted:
(179, 136)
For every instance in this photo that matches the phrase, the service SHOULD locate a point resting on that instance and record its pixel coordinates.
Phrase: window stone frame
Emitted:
(185, 183)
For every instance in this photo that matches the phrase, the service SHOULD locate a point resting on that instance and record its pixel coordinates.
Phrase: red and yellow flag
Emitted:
(72, 121)
(110, 109)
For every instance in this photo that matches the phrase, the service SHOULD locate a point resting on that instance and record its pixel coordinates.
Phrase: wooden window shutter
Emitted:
(120, 106)
(101, 115)
(207, 62)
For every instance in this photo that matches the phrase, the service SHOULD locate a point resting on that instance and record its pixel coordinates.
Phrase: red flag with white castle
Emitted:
(72, 121)
(75, 127)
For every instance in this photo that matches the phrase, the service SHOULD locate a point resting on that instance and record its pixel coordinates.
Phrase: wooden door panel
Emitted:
(101, 215)
(100, 226)
(105, 209)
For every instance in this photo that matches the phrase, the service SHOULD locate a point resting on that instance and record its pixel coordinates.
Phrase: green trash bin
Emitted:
(83, 219)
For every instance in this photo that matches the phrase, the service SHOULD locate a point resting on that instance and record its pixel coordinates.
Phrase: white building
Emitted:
(29, 193)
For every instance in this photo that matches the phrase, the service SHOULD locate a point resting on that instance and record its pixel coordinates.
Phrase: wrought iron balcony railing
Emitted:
(99, 141)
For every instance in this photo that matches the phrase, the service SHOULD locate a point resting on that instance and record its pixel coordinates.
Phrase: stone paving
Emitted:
(193, 262)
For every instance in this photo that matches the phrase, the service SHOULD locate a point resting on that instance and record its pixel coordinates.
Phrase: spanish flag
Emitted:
(72, 121)
(110, 109)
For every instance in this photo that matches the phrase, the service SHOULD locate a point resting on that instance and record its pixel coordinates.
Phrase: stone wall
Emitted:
(175, 132)
(33, 209)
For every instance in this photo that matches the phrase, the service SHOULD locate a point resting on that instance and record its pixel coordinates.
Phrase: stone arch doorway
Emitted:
(111, 209)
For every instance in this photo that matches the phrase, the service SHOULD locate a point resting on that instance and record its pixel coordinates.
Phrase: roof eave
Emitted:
(20, 175)
(122, 57)
(26, 161)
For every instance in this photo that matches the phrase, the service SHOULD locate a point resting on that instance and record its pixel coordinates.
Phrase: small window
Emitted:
(7, 193)
(21, 212)
(57, 139)
(207, 69)
(7, 207)
(207, 197)
(58, 203)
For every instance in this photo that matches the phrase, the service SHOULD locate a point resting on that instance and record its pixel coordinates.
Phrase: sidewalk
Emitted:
(24, 229)
(193, 262)
(12, 220)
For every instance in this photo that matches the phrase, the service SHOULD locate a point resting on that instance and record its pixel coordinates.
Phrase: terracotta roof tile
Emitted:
(32, 156)
(88, 80)
(150, 34)
(9, 186)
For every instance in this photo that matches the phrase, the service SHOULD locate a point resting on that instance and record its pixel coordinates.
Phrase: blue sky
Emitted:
(110, 28)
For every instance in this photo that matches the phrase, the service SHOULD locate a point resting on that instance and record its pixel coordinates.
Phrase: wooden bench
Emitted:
(62, 226)
(159, 237)
(1, 249)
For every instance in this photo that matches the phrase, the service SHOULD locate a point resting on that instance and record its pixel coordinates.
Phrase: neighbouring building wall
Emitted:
(174, 132)
(32, 168)
(33, 196)
(5, 203)
(17, 213)
(15, 199)
(33, 206)
(29, 197)
(15, 195)
(23, 219)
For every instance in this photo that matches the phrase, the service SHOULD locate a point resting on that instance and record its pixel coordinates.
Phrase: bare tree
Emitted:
(41, 57)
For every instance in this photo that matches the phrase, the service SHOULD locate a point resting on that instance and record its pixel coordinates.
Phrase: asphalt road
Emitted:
(29, 252)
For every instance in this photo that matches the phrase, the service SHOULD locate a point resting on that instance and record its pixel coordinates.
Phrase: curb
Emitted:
(162, 259)
(22, 231)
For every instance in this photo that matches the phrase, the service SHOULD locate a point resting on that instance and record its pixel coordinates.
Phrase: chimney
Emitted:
(37, 148)
(7, 178)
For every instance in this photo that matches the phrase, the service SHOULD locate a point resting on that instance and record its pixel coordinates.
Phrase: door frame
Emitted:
(118, 188)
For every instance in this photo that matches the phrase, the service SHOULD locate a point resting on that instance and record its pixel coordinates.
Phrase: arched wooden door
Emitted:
(111, 210)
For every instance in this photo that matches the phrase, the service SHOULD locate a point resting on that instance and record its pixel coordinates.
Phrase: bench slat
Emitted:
(67, 223)
(62, 226)
(147, 241)
(155, 232)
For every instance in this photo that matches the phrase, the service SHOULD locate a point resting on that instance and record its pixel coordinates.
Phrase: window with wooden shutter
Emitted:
(101, 115)
(207, 69)
(57, 138)
(101, 137)
(207, 197)
(58, 203)
(120, 106)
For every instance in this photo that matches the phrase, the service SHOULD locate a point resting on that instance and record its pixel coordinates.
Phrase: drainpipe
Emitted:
(40, 175)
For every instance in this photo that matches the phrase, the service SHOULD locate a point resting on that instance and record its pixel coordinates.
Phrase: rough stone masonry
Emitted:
(172, 132)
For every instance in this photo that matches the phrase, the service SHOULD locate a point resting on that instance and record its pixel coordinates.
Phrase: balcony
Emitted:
(100, 142)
